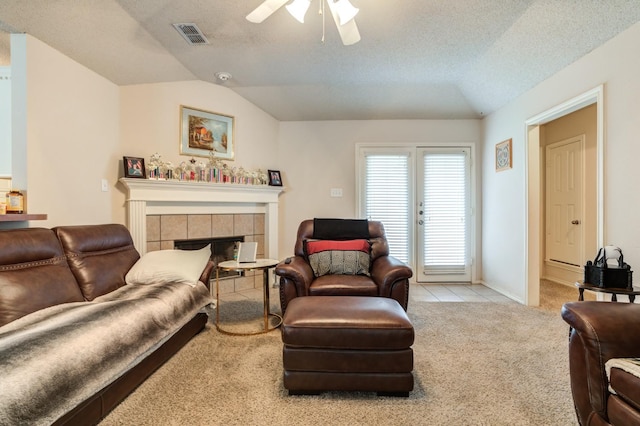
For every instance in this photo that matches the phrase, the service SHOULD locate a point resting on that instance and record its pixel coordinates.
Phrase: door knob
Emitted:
(575, 222)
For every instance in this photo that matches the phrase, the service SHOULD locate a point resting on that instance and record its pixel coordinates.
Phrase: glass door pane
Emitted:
(443, 215)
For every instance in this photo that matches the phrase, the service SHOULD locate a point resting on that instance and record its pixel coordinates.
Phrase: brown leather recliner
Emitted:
(389, 277)
(601, 332)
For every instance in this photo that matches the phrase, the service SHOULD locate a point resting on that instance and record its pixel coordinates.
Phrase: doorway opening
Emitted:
(535, 221)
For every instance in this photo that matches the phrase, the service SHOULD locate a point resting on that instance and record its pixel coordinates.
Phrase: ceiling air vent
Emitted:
(191, 33)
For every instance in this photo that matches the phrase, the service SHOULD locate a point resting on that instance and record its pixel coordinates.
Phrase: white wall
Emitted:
(150, 122)
(65, 131)
(615, 65)
(316, 156)
(5, 121)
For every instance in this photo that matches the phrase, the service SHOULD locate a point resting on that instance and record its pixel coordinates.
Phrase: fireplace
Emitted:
(160, 212)
(146, 197)
(222, 249)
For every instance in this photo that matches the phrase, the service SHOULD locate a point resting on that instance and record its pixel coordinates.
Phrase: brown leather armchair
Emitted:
(389, 277)
(600, 332)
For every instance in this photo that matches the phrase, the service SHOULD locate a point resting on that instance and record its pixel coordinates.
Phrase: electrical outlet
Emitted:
(105, 185)
(336, 192)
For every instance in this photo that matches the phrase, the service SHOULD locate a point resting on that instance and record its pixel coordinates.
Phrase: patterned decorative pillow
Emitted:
(350, 257)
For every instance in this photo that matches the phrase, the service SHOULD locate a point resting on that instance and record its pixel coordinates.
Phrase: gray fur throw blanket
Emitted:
(53, 359)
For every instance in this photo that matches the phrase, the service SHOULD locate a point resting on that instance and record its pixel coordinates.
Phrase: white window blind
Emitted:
(445, 212)
(387, 198)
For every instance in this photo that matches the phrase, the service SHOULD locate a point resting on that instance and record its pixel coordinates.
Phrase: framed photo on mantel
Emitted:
(134, 167)
(205, 134)
(274, 178)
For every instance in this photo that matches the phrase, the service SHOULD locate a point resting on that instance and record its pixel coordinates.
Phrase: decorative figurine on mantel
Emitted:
(168, 170)
(226, 174)
(182, 171)
(201, 168)
(154, 165)
(213, 171)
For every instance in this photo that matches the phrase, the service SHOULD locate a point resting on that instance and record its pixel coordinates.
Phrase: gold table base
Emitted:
(259, 264)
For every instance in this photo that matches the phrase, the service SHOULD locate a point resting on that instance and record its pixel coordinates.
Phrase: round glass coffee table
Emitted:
(259, 265)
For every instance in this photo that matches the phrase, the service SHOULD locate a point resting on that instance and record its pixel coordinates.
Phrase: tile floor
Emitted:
(455, 293)
(417, 293)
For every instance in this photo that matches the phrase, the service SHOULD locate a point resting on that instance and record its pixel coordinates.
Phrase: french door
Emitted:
(386, 195)
(422, 196)
(443, 216)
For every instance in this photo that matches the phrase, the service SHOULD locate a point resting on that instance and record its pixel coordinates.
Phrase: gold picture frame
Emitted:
(504, 155)
(205, 133)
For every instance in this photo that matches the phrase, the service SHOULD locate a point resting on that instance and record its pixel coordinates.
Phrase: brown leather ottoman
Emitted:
(347, 343)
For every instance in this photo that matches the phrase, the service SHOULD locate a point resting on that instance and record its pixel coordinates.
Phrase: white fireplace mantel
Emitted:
(157, 197)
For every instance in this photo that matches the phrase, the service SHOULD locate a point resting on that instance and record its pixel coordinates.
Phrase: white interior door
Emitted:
(443, 216)
(564, 202)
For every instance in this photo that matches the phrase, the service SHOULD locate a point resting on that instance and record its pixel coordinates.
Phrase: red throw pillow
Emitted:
(350, 257)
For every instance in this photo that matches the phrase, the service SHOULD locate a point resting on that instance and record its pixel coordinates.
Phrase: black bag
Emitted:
(599, 274)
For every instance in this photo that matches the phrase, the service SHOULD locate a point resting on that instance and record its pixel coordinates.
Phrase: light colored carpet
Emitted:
(553, 295)
(475, 364)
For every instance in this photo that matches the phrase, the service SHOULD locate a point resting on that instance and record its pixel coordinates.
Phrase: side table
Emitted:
(612, 291)
(262, 265)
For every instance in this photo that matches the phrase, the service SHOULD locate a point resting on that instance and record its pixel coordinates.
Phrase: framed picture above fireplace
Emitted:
(205, 134)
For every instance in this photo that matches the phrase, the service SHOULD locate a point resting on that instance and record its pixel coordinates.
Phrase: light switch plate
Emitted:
(105, 185)
(336, 192)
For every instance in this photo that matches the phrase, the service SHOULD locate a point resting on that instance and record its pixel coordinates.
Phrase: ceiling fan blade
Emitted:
(265, 10)
(349, 31)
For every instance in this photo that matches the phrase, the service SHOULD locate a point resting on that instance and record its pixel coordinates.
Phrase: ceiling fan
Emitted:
(342, 11)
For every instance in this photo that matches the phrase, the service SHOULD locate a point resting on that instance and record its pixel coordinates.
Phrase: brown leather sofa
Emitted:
(42, 268)
(601, 335)
(389, 277)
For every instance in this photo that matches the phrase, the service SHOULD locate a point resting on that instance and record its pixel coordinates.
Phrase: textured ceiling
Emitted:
(418, 59)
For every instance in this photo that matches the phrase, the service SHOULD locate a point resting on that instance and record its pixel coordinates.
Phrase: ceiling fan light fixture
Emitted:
(346, 11)
(298, 8)
(342, 12)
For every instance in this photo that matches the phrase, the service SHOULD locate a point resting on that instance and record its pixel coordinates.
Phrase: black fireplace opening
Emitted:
(222, 249)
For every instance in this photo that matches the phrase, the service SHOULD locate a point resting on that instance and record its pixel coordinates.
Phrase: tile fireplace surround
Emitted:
(159, 212)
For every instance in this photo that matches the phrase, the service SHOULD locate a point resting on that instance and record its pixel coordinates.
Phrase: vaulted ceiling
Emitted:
(418, 59)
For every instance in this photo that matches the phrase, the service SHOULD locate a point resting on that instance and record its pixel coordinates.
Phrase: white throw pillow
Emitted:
(164, 266)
